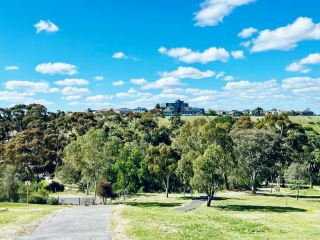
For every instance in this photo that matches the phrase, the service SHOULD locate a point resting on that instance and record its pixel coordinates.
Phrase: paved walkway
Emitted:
(191, 205)
(75, 223)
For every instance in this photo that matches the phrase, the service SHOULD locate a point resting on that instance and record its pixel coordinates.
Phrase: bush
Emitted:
(104, 189)
(37, 198)
(308, 128)
(55, 187)
(53, 201)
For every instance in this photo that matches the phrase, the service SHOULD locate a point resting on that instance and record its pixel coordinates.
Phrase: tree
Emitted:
(185, 168)
(162, 160)
(256, 150)
(296, 174)
(312, 158)
(207, 174)
(104, 190)
(87, 154)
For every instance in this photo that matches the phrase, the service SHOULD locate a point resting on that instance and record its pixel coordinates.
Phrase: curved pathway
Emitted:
(75, 223)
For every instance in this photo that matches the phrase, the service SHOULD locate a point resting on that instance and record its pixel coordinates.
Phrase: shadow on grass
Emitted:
(152, 204)
(253, 208)
(288, 195)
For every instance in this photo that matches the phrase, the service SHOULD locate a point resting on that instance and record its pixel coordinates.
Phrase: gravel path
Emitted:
(75, 223)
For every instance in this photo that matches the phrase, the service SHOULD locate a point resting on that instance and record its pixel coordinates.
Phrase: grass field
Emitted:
(17, 218)
(233, 215)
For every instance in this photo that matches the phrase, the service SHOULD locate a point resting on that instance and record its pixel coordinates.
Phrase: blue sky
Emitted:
(223, 54)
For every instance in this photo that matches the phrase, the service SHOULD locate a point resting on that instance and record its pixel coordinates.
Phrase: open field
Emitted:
(233, 215)
(18, 218)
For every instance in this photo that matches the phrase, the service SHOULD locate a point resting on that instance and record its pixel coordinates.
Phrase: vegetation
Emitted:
(235, 215)
(136, 152)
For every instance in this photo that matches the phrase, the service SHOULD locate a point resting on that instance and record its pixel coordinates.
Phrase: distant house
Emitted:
(235, 113)
(180, 107)
(306, 112)
(139, 110)
(122, 110)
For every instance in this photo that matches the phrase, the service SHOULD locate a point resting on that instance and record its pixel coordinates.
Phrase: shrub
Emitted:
(55, 187)
(37, 198)
(308, 128)
(104, 190)
(53, 201)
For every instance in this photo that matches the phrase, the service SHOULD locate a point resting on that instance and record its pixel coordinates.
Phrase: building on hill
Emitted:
(182, 108)
(122, 110)
(139, 110)
(306, 112)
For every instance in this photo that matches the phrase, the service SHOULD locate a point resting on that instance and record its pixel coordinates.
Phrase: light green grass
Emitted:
(232, 216)
(14, 217)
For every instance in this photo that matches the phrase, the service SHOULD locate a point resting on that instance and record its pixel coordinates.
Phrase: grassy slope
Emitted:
(14, 217)
(233, 216)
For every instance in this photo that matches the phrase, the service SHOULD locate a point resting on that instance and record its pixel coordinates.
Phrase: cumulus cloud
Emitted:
(302, 84)
(11, 68)
(74, 91)
(119, 55)
(133, 93)
(239, 54)
(139, 81)
(118, 83)
(75, 97)
(188, 72)
(56, 68)
(29, 86)
(287, 37)
(300, 66)
(72, 82)
(189, 56)
(46, 26)
(99, 98)
(228, 78)
(213, 11)
(166, 82)
(247, 32)
(98, 78)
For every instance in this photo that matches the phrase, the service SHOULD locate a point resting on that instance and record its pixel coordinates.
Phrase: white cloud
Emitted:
(228, 78)
(287, 37)
(302, 84)
(189, 56)
(297, 67)
(247, 85)
(119, 55)
(75, 97)
(247, 32)
(133, 93)
(118, 83)
(56, 68)
(46, 26)
(300, 66)
(11, 68)
(166, 82)
(213, 11)
(220, 75)
(246, 44)
(239, 54)
(139, 81)
(29, 86)
(72, 82)
(188, 72)
(99, 98)
(98, 78)
(74, 91)
(198, 92)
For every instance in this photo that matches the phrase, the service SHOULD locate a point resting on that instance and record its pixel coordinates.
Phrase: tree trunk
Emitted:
(87, 190)
(311, 180)
(95, 190)
(226, 183)
(254, 187)
(167, 186)
(209, 201)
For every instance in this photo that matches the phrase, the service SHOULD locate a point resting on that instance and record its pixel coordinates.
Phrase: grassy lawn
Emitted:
(233, 215)
(15, 218)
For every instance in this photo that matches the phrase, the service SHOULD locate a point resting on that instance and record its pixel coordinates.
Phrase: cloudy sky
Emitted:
(223, 54)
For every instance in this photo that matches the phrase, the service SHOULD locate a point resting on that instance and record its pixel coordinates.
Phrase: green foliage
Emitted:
(104, 189)
(54, 187)
(53, 201)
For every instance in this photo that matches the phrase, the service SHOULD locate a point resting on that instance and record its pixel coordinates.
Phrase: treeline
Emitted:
(134, 153)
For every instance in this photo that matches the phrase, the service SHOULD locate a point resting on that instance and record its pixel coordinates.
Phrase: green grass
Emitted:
(232, 216)
(14, 217)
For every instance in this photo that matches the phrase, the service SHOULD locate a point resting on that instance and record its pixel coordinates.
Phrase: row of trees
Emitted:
(135, 153)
